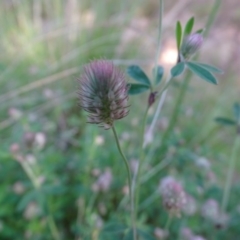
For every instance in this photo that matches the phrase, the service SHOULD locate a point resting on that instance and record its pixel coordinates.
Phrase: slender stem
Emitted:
(163, 94)
(180, 98)
(141, 158)
(227, 189)
(53, 227)
(161, 7)
(168, 223)
(133, 218)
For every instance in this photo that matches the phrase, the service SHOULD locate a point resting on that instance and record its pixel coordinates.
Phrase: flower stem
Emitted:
(161, 7)
(141, 159)
(133, 218)
(163, 94)
(227, 189)
(168, 223)
(180, 98)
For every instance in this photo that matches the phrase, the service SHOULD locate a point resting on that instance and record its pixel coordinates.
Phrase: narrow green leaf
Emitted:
(178, 34)
(201, 72)
(200, 30)
(138, 74)
(225, 121)
(177, 69)
(209, 67)
(158, 74)
(189, 26)
(236, 109)
(135, 88)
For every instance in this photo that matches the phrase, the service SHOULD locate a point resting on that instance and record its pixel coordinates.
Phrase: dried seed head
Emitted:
(191, 44)
(173, 195)
(103, 93)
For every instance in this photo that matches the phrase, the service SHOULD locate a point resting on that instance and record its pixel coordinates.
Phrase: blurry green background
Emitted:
(44, 45)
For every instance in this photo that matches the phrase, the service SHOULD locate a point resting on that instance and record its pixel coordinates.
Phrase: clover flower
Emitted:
(191, 44)
(103, 93)
(173, 194)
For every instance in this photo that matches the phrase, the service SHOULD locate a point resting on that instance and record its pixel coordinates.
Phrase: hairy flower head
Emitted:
(103, 93)
(191, 44)
(173, 195)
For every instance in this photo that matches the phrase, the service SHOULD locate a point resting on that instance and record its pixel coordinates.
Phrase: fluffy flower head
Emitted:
(103, 93)
(173, 195)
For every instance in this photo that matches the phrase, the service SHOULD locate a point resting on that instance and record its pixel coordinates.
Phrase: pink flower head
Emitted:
(173, 194)
(103, 93)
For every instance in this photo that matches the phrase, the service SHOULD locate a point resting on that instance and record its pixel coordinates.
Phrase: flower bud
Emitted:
(191, 44)
(103, 93)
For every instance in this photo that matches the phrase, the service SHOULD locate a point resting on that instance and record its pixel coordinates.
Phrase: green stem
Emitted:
(133, 218)
(168, 223)
(141, 159)
(161, 7)
(228, 184)
(53, 227)
(180, 98)
(162, 94)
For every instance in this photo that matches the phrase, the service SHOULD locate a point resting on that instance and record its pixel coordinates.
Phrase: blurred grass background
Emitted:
(44, 45)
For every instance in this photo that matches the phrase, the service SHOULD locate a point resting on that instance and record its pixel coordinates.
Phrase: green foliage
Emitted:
(236, 109)
(41, 58)
(210, 68)
(178, 34)
(158, 74)
(201, 72)
(178, 69)
(138, 75)
(225, 121)
(189, 26)
(200, 31)
(135, 88)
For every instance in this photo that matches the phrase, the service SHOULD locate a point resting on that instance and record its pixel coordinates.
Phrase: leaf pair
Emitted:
(202, 70)
(139, 76)
(180, 34)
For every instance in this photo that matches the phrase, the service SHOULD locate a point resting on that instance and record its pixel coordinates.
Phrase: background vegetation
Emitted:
(43, 47)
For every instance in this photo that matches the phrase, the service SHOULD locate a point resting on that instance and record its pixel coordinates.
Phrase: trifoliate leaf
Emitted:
(138, 74)
(135, 88)
(177, 69)
(210, 68)
(158, 74)
(201, 72)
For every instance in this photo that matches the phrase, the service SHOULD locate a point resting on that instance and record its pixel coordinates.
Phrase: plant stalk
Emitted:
(229, 180)
(180, 98)
(133, 218)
